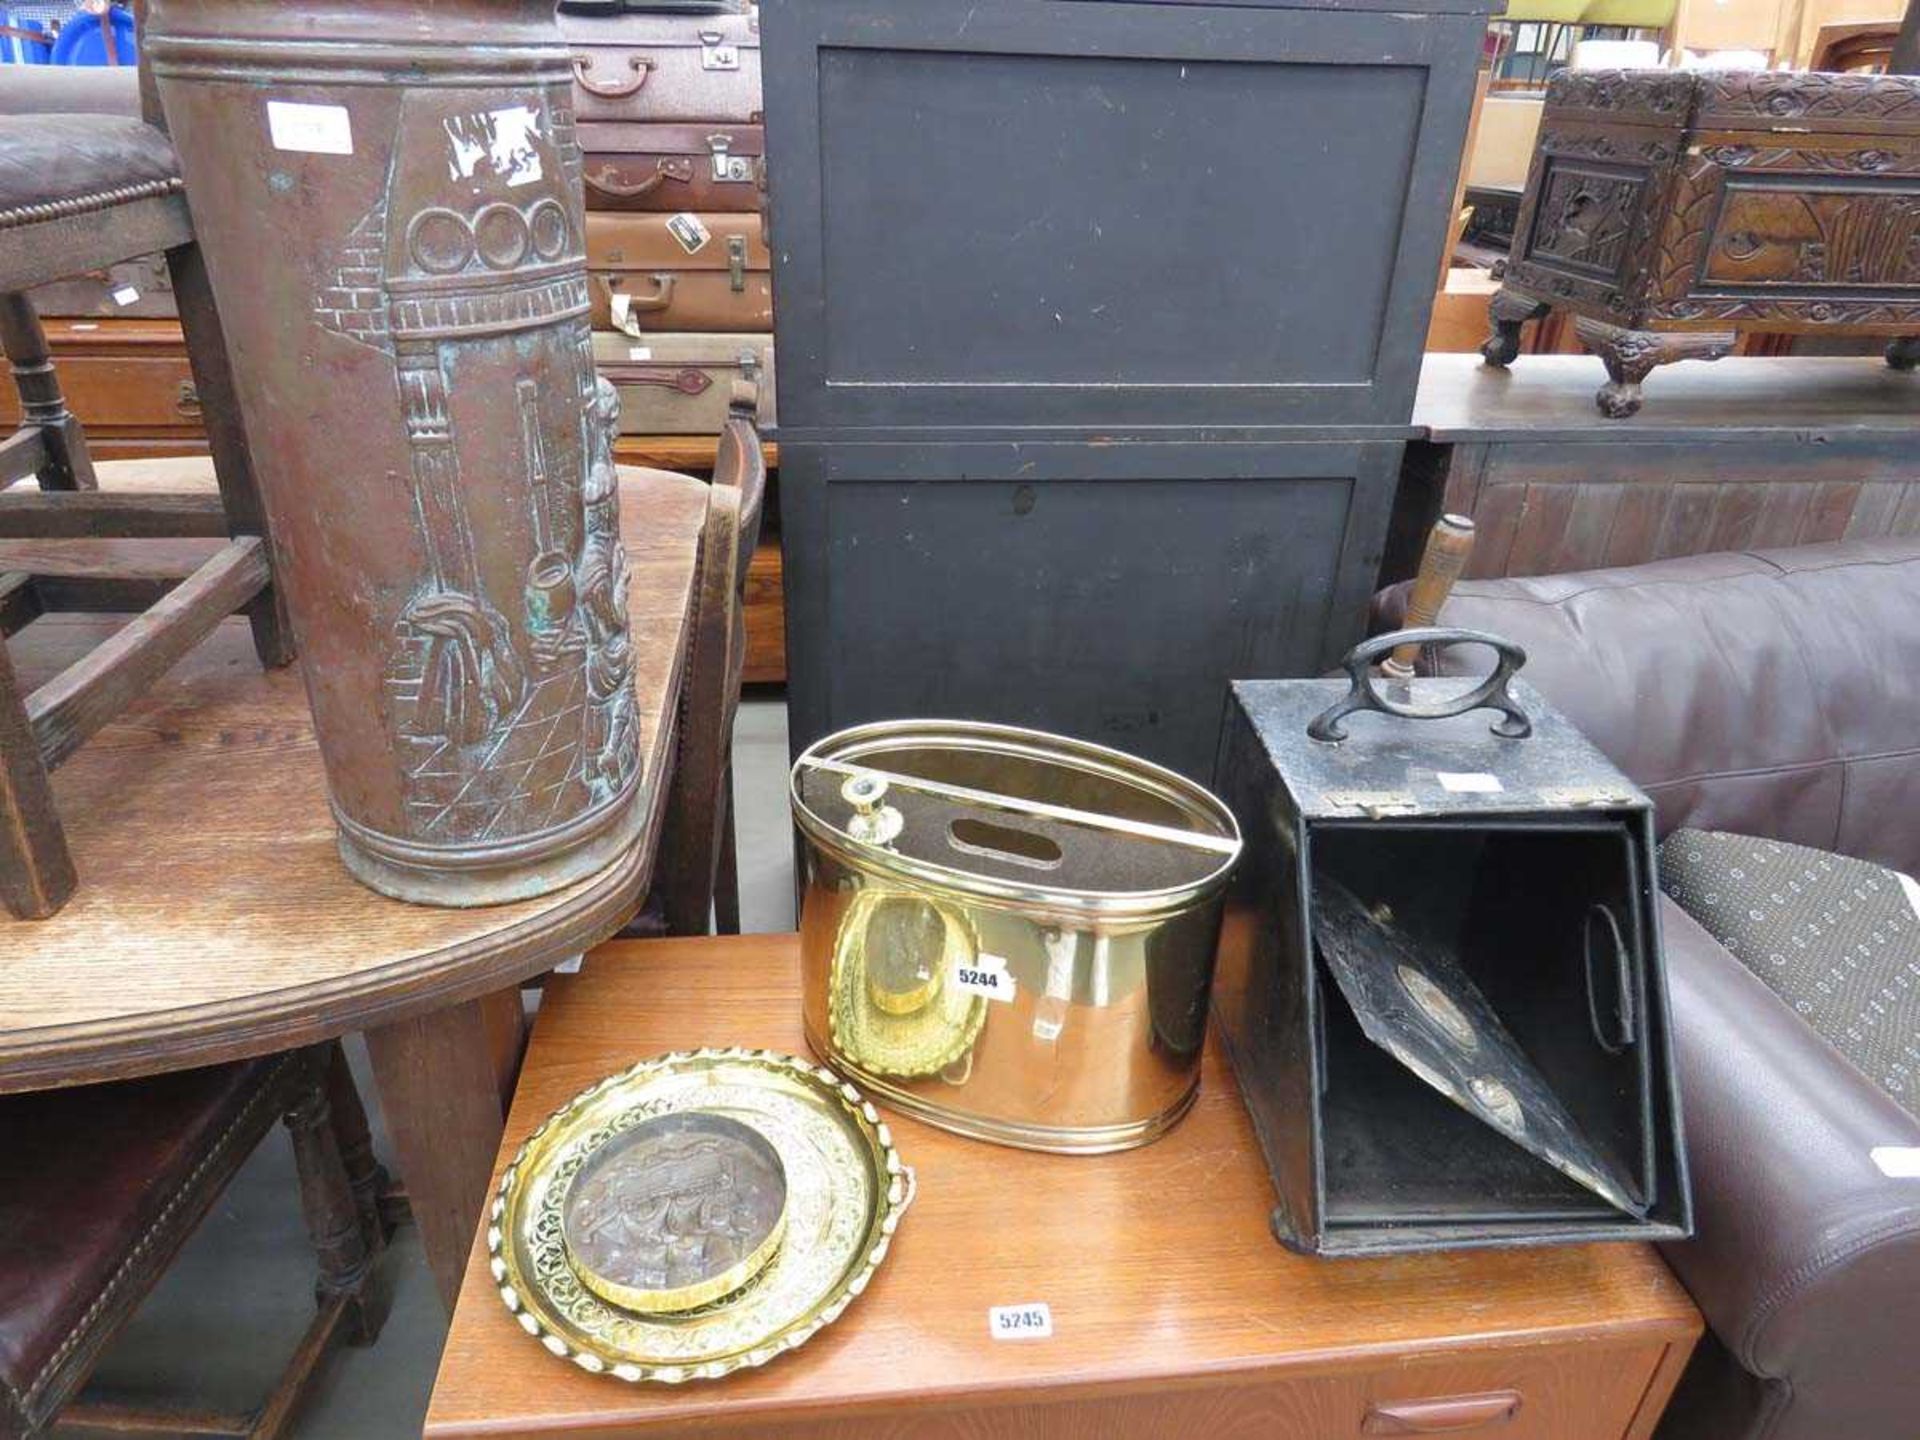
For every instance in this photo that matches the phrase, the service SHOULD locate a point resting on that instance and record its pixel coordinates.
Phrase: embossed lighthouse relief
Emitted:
(507, 689)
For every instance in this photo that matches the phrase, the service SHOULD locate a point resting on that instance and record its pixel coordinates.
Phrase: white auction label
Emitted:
(639, 352)
(570, 966)
(1897, 1162)
(1033, 1321)
(1912, 889)
(984, 974)
(125, 295)
(315, 129)
(1469, 783)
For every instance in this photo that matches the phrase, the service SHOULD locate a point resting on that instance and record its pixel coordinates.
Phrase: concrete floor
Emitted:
(221, 1324)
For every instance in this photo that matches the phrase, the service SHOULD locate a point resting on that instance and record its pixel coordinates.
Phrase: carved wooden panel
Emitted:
(1776, 201)
(1585, 217)
(1529, 525)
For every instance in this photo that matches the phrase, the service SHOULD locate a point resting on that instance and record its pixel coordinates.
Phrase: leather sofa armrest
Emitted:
(1806, 1259)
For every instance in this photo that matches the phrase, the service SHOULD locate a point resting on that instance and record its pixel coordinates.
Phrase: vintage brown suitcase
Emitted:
(140, 287)
(674, 384)
(697, 166)
(129, 382)
(664, 67)
(685, 271)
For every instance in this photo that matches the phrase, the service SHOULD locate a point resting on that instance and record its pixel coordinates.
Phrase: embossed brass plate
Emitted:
(677, 1212)
(580, 1199)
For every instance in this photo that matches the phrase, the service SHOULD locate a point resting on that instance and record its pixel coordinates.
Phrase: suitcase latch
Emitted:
(749, 364)
(729, 168)
(737, 262)
(717, 53)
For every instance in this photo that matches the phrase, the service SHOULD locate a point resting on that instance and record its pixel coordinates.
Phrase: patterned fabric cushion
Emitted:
(1838, 939)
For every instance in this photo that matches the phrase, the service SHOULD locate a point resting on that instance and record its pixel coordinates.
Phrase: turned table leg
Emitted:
(1509, 310)
(1904, 353)
(1631, 355)
(440, 1088)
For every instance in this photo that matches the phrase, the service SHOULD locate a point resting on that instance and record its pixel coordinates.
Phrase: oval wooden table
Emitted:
(214, 919)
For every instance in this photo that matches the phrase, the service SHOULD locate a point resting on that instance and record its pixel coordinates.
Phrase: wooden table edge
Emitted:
(49, 1057)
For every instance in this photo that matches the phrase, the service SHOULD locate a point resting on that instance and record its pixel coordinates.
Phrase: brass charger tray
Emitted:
(846, 1190)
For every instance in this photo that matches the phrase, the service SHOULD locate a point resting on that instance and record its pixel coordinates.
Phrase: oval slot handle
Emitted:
(1446, 1415)
(1004, 842)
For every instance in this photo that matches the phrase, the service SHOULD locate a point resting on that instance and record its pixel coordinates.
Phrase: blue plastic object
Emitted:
(16, 49)
(83, 40)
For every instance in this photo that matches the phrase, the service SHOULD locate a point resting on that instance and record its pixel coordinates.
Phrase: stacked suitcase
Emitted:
(667, 105)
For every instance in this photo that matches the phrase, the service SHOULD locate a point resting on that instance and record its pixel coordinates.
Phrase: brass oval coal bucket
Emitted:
(388, 199)
(1009, 934)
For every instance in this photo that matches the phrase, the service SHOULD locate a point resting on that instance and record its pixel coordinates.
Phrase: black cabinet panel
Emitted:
(1104, 592)
(1019, 214)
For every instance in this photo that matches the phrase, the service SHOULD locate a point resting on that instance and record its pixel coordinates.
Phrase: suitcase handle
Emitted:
(608, 182)
(685, 379)
(1489, 694)
(660, 298)
(615, 90)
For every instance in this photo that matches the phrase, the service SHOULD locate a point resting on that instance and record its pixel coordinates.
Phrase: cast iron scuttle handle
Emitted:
(1489, 694)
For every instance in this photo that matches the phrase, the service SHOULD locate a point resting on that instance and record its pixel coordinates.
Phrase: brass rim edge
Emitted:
(901, 1188)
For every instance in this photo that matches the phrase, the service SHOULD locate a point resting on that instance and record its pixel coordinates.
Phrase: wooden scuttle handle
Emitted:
(1446, 556)
(1447, 1415)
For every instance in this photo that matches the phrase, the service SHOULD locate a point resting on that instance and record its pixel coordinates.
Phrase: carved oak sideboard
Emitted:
(1670, 210)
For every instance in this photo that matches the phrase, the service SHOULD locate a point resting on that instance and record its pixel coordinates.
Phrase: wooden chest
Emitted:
(1670, 210)
(129, 382)
(1173, 1313)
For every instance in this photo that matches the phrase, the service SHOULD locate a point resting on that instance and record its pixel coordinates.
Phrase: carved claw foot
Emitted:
(1631, 355)
(1904, 354)
(1509, 310)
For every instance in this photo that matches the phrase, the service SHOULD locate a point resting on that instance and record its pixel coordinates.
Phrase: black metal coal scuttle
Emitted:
(1440, 974)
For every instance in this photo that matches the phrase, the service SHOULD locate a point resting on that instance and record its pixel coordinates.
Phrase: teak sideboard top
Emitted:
(1174, 1311)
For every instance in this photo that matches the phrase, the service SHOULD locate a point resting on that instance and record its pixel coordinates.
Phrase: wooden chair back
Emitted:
(177, 606)
(696, 871)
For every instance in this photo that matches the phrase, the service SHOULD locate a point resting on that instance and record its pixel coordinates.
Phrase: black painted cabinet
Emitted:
(1099, 328)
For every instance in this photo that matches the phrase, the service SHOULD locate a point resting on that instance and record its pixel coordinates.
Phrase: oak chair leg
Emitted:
(366, 1176)
(1509, 310)
(37, 875)
(327, 1201)
(65, 464)
(227, 440)
(1631, 355)
(1904, 354)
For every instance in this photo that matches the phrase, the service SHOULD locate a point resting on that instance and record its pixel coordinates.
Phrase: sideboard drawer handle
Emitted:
(1449, 1415)
(186, 402)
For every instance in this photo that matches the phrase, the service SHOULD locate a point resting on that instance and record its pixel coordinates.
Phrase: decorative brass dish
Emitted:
(782, 1238)
(679, 1211)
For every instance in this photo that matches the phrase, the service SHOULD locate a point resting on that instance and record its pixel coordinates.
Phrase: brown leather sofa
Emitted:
(1772, 694)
